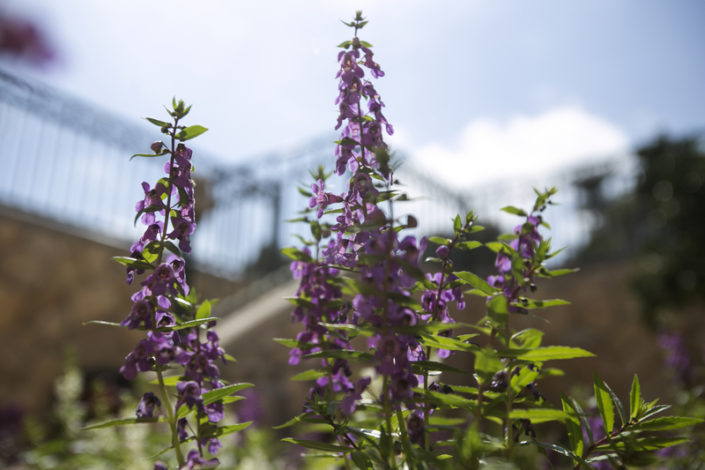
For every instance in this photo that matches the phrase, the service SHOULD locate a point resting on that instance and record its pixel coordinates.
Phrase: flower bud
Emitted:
(442, 252)
(156, 146)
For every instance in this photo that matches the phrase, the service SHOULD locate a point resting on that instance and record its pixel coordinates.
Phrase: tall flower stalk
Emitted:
(179, 334)
(379, 327)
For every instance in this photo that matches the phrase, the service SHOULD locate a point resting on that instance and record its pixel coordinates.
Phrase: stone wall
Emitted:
(50, 283)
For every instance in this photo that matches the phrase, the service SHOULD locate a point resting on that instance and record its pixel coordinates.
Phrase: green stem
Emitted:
(388, 420)
(508, 421)
(406, 443)
(172, 419)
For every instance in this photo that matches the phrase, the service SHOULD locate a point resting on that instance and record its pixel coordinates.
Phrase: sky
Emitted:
(476, 90)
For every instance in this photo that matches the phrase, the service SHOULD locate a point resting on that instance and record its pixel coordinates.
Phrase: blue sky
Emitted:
(475, 89)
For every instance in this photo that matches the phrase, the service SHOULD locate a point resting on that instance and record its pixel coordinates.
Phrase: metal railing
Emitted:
(69, 162)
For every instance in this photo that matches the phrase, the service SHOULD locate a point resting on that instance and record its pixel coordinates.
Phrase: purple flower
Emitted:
(181, 429)
(146, 406)
(195, 461)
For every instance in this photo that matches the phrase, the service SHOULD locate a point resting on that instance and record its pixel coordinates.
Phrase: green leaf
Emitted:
(469, 245)
(560, 450)
(309, 375)
(214, 395)
(133, 262)
(225, 430)
(617, 403)
(635, 399)
(361, 460)
(487, 364)
(296, 419)
(442, 342)
(454, 400)
(191, 132)
(192, 323)
(514, 210)
(457, 224)
(529, 338)
(531, 304)
(158, 123)
(439, 240)
(169, 381)
(204, 310)
(604, 404)
(317, 445)
(546, 353)
(557, 272)
(575, 435)
(295, 254)
(476, 281)
(539, 415)
(498, 307)
(420, 367)
(121, 422)
(666, 423)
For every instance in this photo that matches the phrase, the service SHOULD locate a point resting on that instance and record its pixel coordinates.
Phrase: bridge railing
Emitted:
(69, 162)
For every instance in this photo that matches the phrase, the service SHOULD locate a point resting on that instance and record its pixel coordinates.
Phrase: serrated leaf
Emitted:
(604, 405)
(121, 422)
(666, 423)
(190, 132)
(212, 396)
(317, 445)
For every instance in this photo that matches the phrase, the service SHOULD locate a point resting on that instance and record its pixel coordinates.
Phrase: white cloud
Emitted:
(488, 149)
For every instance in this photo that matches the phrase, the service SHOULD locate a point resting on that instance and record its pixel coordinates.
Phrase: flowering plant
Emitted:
(379, 327)
(180, 347)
